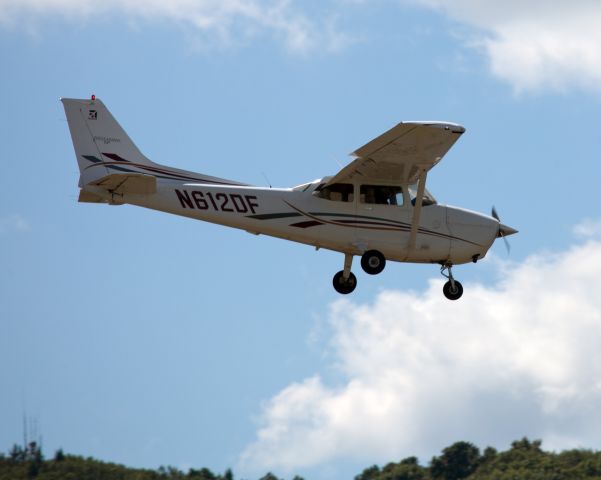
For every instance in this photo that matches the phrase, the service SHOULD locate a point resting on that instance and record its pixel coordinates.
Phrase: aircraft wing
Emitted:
(401, 153)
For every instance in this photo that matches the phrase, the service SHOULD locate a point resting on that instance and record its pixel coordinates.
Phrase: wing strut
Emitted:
(417, 209)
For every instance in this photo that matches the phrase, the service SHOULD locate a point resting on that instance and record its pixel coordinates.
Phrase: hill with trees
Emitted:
(524, 460)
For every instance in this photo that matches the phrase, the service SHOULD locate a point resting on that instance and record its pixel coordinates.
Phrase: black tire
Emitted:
(450, 293)
(373, 262)
(342, 286)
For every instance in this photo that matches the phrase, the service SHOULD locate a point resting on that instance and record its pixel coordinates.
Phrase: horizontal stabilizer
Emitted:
(88, 197)
(128, 183)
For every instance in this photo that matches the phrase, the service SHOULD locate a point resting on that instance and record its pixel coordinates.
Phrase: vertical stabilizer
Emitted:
(98, 139)
(102, 148)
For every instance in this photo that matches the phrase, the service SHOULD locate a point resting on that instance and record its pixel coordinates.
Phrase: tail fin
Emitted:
(98, 139)
(109, 160)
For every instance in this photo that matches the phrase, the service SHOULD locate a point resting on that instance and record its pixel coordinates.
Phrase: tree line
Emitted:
(524, 460)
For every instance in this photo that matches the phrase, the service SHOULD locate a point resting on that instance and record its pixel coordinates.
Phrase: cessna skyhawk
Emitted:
(377, 207)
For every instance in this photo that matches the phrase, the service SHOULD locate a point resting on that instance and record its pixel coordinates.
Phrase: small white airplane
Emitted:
(376, 207)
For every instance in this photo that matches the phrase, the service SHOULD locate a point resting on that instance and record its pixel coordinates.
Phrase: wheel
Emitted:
(344, 286)
(450, 293)
(373, 262)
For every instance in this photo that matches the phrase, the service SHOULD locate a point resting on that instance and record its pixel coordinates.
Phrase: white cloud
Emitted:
(222, 22)
(588, 228)
(14, 222)
(419, 372)
(538, 44)
(534, 45)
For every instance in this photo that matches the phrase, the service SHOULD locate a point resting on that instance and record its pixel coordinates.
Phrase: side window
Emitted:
(381, 194)
(338, 192)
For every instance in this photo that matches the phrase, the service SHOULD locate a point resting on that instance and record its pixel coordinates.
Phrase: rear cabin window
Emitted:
(337, 192)
(381, 194)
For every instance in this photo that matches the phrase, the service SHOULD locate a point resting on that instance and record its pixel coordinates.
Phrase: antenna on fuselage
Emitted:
(266, 179)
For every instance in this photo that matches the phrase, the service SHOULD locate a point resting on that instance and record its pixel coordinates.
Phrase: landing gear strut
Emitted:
(452, 289)
(345, 281)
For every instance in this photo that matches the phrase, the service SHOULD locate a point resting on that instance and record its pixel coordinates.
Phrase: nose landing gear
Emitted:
(452, 289)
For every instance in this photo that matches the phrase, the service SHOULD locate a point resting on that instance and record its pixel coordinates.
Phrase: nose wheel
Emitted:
(452, 289)
(345, 281)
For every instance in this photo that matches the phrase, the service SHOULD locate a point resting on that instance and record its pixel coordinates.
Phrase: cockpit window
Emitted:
(428, 198)
(337, 192)
(381, 194)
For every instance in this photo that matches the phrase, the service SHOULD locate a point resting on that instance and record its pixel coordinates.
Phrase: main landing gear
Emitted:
(372, 262)
(452, 289)
(345, 281)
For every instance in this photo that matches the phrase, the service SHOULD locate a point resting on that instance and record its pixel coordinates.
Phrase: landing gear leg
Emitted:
(345, 281)
(452, 289)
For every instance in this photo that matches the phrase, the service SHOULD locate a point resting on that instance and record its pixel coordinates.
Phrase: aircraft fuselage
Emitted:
(376, 207)
(445, 235)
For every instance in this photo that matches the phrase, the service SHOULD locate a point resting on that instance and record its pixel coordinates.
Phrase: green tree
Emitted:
(17, 454)
(526, 445)
(269, 476)
(370, 473)
(406, 469)
(489, 455)
(59, 456)
(458, 461)
(202, 474)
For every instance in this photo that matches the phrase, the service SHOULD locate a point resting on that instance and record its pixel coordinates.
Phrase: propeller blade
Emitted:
(495, 215)
(507, 245)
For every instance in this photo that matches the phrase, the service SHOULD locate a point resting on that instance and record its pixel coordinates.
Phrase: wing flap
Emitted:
(401, 153)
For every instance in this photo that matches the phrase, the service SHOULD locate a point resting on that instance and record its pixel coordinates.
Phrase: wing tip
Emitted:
(454, 127)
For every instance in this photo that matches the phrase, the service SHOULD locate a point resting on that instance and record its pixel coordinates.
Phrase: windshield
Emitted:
(311, 185)
(303, 188)
(428, 198)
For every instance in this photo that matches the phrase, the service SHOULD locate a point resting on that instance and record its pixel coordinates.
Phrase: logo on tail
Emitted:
(106, 140)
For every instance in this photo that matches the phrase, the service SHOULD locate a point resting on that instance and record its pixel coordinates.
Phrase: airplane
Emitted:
(376, 207)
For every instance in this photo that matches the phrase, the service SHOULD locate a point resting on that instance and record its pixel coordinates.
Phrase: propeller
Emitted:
(504, 230)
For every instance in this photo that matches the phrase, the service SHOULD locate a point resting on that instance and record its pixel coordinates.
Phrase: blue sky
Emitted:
(148, 339)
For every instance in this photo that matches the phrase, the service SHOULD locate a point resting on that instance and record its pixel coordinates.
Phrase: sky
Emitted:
(148, 339)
